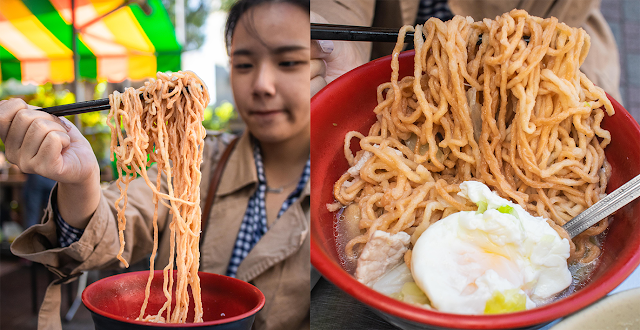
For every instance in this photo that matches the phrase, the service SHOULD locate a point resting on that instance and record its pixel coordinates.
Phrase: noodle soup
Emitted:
(355, 93)
(515, 115)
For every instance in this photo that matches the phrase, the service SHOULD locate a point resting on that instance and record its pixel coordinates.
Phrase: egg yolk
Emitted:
(512, 300)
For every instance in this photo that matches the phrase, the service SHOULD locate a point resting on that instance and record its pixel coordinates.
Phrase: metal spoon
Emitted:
(604, 207)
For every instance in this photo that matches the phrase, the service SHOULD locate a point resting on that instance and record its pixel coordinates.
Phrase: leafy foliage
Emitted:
(46, 96)
(195, 15)
(225, 5)
(218, 118)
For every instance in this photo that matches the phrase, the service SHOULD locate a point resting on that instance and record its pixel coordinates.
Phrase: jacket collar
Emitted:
(240, 170)
(285, 236)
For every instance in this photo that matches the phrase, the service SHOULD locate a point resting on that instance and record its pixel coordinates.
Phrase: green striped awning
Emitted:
(36, 45)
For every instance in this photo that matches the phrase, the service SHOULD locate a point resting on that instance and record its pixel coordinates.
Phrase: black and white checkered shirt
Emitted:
(66, 234)
(433, 8)
(254, 223)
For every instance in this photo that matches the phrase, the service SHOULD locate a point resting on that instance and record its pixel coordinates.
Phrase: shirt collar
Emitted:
(240, 170)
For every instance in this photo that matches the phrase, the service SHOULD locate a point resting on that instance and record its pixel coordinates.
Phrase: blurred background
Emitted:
(114, 44)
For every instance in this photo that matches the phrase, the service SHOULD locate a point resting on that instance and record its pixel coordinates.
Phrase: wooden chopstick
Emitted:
(78, 108)
(355, 33)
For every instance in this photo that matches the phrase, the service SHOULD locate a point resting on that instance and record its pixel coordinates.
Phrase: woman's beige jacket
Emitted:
(278, 265)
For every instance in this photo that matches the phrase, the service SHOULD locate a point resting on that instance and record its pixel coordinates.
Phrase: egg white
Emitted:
(461, 260)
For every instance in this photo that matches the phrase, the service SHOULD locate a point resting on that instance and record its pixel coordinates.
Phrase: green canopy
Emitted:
(115, 40)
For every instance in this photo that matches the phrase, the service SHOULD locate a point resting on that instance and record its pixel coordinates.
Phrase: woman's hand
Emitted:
(40, 143)
(329, 59)
(320, 49)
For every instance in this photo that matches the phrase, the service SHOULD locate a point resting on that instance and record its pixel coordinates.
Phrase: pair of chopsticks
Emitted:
(83, 107)
(362, 33)
(78, 108)
(355, 33)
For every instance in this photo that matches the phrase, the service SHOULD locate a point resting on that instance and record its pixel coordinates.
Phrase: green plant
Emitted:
(218, 118)
(96, 131)
(98, 91)
(47, 96)
(225, 5)
(195, 15)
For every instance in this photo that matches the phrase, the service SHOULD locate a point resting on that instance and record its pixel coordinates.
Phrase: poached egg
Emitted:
(497, 259)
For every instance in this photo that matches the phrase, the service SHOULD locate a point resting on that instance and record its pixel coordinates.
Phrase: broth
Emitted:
(581, 273)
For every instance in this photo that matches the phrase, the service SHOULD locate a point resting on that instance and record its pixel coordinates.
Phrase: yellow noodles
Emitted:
(516, 115)
(163, 119)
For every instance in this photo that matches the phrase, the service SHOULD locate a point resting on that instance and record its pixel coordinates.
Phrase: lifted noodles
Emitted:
(162, 122)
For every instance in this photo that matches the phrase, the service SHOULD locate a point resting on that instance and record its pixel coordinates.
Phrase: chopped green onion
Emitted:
(482, 206)
(397, 295)
(424, 148)
(506, 209)
(547, 238)
(413, 294)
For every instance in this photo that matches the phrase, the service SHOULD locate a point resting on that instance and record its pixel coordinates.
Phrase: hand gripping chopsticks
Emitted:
(78, 108)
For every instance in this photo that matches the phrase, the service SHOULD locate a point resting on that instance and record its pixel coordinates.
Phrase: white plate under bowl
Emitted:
(619, 311)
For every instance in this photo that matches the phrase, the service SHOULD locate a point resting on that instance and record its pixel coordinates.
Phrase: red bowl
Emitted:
(115, 302)
(347, 104)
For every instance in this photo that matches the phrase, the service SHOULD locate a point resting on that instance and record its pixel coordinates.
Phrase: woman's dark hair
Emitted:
(243, 6)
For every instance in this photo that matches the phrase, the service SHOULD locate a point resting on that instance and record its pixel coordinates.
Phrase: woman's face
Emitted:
(270, 71)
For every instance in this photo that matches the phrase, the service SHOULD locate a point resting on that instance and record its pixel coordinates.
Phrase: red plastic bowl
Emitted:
(115, 302)
(346, 104)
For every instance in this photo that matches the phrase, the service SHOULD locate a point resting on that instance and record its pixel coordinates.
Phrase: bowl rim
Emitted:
(544, 314)
(251, 312)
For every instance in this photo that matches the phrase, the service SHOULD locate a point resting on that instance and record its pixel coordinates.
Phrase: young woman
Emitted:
(259, 224)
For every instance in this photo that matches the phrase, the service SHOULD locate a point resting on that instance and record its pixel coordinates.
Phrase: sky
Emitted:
(204, 60)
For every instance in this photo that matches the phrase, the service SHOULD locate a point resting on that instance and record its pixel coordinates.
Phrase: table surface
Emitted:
(332, 308)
